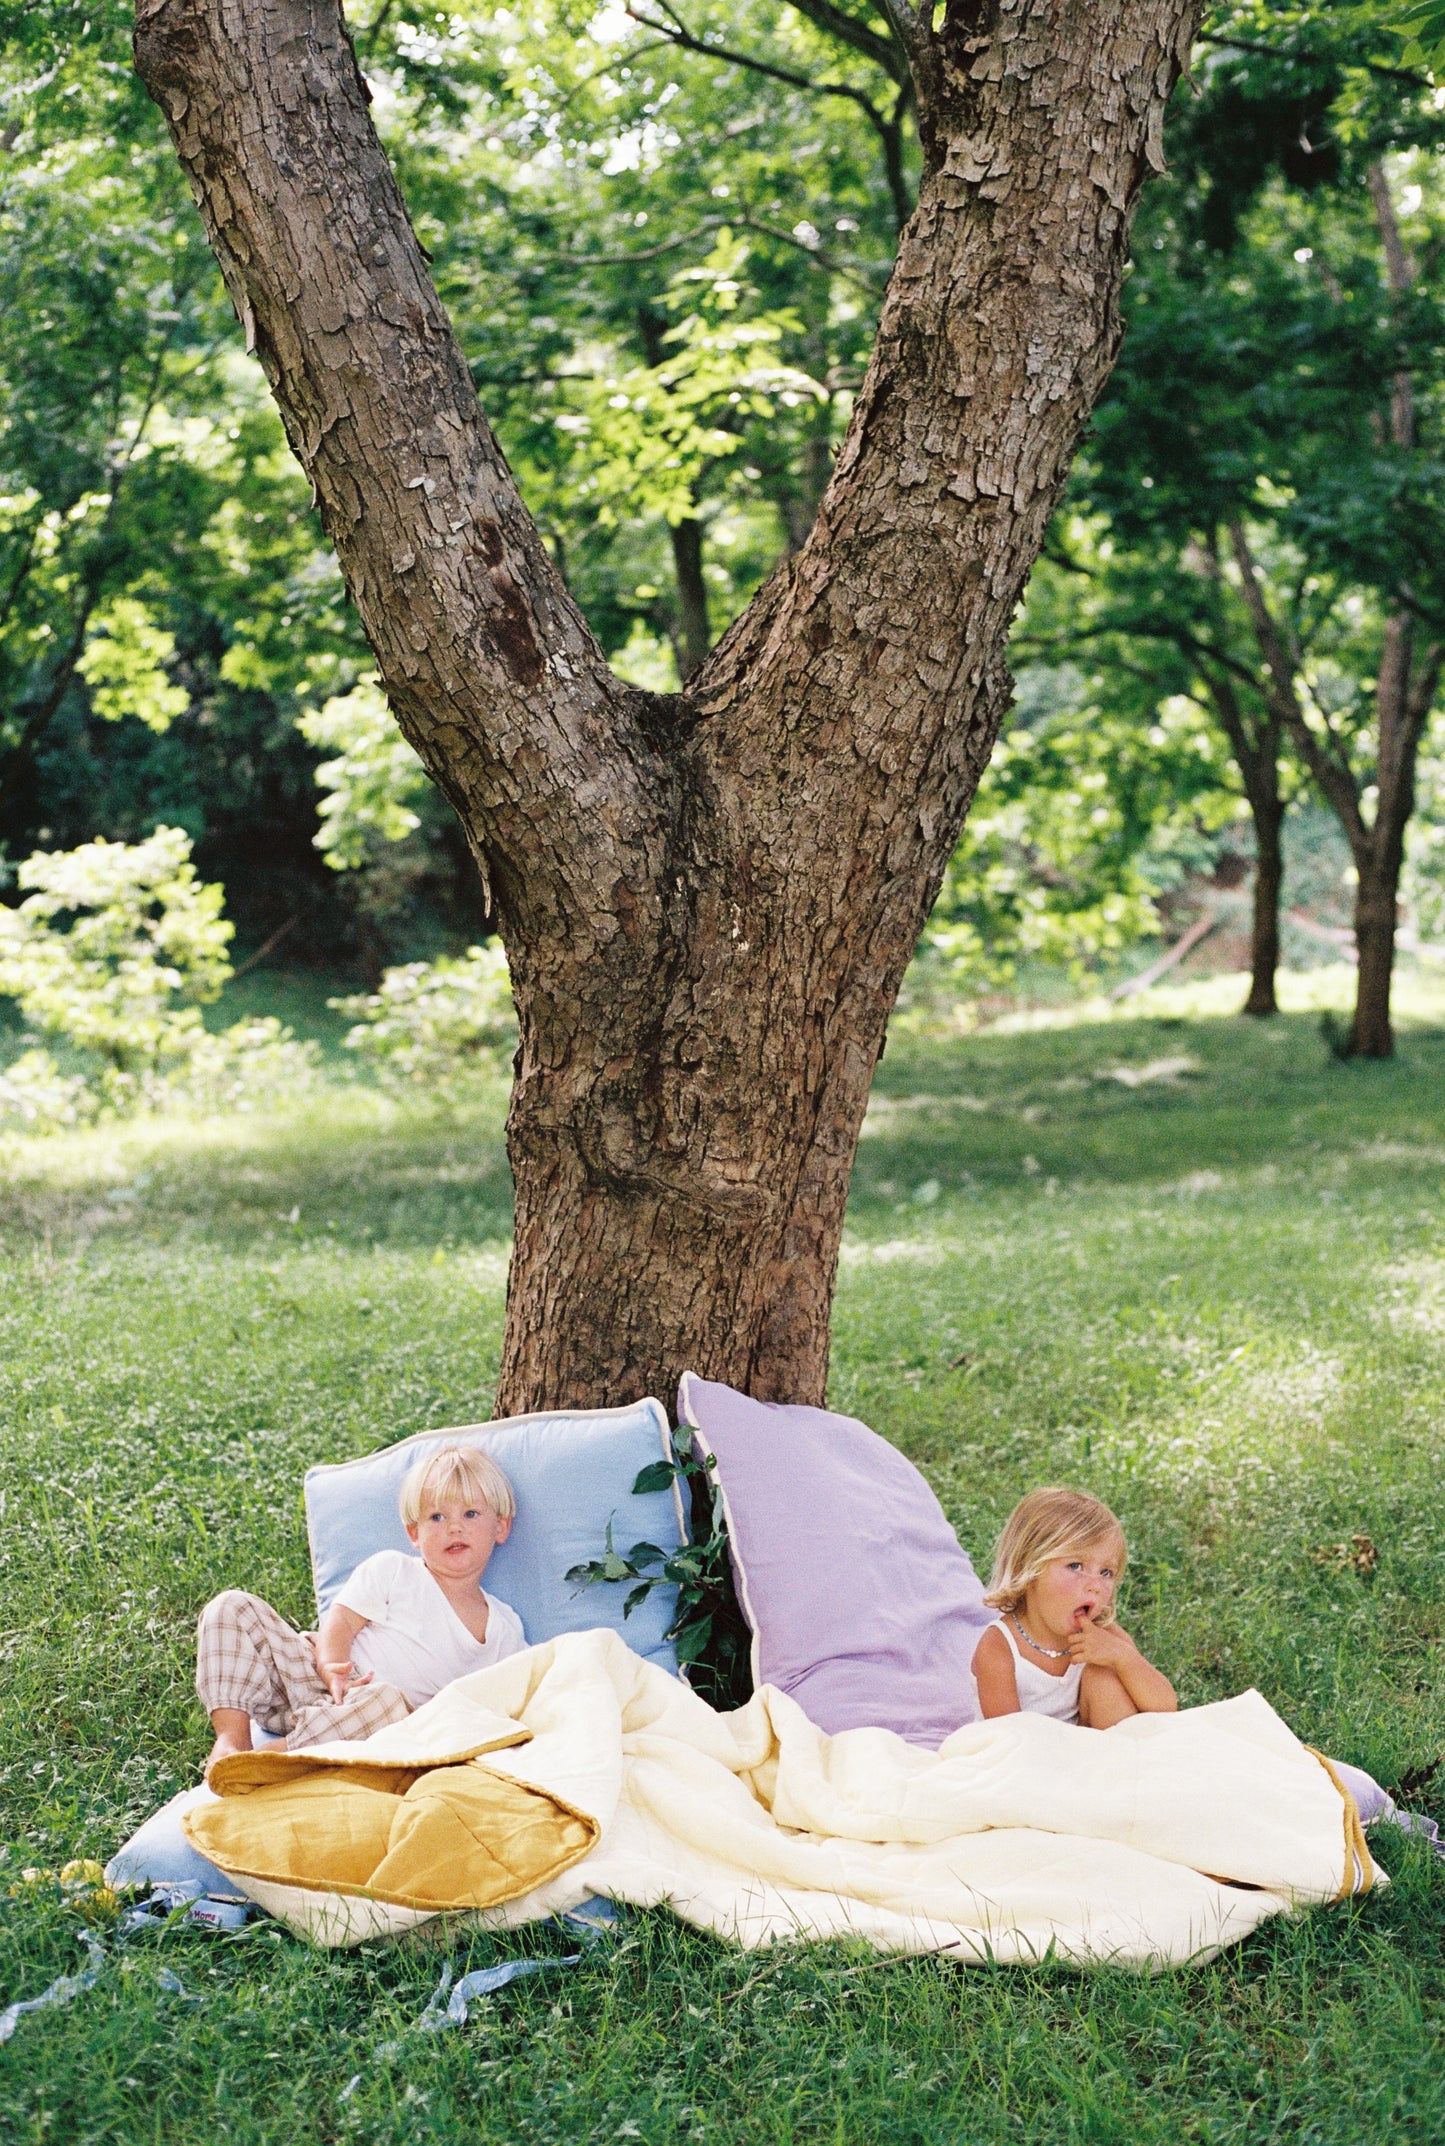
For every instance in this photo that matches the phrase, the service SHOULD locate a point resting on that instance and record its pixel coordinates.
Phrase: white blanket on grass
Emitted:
(1155, 1842)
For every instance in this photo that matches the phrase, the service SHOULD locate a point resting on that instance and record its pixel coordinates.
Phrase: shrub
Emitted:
(435, 1024)
(112, 953)
(122, 979)
(37, 1096)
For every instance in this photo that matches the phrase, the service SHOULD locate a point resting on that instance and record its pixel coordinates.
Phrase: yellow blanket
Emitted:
(578, 1768)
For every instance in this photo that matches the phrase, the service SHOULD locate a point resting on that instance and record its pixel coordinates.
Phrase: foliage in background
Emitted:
(371, 787)
(663, 238)
(643, 441)
(145, 947)
(1423, 880)
(111, 955)
(1423, 29)
(1102, 796)
(1272, 434)
(168, 603)
(435, 1026)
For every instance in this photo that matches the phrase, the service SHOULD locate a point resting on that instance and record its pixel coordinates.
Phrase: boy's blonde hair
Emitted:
(1049, 1523)
(463, 1472)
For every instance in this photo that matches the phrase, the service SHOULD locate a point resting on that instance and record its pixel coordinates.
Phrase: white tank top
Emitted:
(1039, 1693)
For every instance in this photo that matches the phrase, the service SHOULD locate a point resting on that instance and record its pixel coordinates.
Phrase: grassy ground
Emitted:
(1194, 1265)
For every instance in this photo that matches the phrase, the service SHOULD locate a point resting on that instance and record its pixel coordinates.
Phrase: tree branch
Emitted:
(865, 274)
(676, 32)
(1313, 59)
(888, 130)
(837, 22)
(1332, 773)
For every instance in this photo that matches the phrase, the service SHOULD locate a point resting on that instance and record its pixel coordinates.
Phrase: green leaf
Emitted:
(692, 1641)
(657, 1475)
(646, 1553)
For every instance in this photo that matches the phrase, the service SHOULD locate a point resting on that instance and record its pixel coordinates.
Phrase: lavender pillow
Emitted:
(863, 1605)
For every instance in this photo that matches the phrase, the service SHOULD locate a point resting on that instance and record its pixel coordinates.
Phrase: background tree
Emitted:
(1267, 460)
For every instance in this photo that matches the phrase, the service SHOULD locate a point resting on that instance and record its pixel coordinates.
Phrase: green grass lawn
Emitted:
(1211, 1290)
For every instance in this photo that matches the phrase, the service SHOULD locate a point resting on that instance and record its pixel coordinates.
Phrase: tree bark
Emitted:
(708, 900)
(1404, 695)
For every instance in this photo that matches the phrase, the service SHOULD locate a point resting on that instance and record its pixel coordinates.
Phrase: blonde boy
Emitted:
(400, 1628)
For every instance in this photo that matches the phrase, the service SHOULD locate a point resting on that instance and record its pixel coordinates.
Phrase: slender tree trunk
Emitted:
(1254, 741)
(1404, 696)
(1376, 905)
(708, 899)
(693, 637)
(694, 633)
(1268, 883)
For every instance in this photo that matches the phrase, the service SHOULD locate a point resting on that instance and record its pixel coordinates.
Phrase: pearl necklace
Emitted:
(1055, 1654)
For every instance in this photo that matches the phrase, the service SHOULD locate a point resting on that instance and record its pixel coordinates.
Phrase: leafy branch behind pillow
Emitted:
(709, 1632)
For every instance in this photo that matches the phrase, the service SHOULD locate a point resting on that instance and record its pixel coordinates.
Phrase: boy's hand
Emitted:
(1103, 1645)
(340, 1678)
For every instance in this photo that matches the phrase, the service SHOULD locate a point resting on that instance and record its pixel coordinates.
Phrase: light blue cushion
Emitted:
(572, 1472)
(158, 1853)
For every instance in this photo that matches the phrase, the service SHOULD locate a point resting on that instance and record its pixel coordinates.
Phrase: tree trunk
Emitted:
(1404, 695)
(694, 634)
(708, 899)
(1268, 883)
(1254, 743)
(1376, 900)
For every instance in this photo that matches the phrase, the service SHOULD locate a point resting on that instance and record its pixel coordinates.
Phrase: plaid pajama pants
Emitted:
(248, 1656)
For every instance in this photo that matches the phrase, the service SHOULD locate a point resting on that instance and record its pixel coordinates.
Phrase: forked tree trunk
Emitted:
(1405, 687)
(708, 900)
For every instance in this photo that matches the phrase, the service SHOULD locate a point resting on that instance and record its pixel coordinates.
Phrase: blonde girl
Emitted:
(1056, 1648)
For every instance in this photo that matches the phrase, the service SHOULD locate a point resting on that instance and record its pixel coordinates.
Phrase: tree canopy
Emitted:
(663, 236)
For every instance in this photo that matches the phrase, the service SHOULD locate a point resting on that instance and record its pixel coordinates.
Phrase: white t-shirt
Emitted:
(413, 1638)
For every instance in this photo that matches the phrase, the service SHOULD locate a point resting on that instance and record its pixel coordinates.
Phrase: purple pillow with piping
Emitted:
(864, 1606)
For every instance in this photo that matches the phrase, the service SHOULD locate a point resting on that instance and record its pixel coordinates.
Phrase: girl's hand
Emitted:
(1103, 1645)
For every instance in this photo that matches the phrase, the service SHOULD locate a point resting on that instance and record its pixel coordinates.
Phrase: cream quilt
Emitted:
(577, 1768)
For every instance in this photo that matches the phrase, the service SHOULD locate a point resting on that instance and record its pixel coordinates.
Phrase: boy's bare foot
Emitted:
(233, 1733)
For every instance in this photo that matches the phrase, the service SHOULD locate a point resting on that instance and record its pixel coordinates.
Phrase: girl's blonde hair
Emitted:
(1047, 1524)
(462, 1472)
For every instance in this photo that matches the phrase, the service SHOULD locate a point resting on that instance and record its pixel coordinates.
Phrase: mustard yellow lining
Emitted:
(1357, 1854)
(241, 1772)
(193, 1824)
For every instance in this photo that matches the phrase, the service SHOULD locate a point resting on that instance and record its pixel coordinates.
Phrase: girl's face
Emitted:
(1072, 1590)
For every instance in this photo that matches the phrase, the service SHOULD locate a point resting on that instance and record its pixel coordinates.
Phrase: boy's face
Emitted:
(456, 1538)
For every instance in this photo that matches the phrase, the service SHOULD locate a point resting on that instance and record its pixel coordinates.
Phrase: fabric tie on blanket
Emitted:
(578, 1768)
